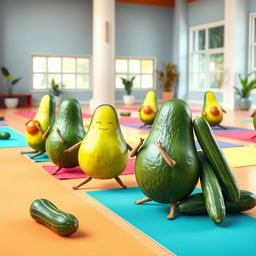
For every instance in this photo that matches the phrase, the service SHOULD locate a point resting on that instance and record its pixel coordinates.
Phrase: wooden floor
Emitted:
(100, 231)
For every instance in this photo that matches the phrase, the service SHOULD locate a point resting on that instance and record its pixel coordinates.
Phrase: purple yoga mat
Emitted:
(217, 129)
(137, 125)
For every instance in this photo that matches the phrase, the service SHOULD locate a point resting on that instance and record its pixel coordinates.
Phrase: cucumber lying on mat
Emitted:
(1, 118)
(4, 135)
(195, 204)
(46, 213)
(125, 113)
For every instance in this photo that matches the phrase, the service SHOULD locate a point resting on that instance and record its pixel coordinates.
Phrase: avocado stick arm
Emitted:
(140, 108)
(165, 156)
(61, 140)
(223, 110)
(129, 147)
(28, 121)
(38, 126)
(136, 148)
(46, 133)
(73, 147)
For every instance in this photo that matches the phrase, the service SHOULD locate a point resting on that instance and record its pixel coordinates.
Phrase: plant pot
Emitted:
(11, 102)
(129, 99)
(57, 100)
(245, 103)
(167, 96)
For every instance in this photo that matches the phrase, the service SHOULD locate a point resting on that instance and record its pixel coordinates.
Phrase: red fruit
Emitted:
(147, 110)
(215, 111)
(31, 127)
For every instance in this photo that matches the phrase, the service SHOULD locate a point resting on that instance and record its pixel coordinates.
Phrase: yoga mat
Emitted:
(16, 139)
(136, 126)
(195, 110)
(3, 123)
(242, 135)
(85, 115)
(135, 139)
(247, 120)
(37, 159)
(240, 156)
(26, 114)
(76, 172)
(130, 108)
(128, 120)
(185, 235)
(217, 129)
(222, 144)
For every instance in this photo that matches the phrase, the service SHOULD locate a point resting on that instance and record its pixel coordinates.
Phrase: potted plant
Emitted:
(244, 92)
(128, 99)
(168, 77)
(56, 92)
(10, 101)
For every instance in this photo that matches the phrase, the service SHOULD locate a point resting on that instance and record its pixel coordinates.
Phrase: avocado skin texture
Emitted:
(70, 124)
(159, 181)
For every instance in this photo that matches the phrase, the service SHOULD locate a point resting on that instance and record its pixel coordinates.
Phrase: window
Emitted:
(141, 69)
(71, 71)
(206, 57)
(252, 44)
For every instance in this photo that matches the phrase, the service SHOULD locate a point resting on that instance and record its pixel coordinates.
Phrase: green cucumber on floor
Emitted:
(4, 135)
(46, 213)
(211, 149)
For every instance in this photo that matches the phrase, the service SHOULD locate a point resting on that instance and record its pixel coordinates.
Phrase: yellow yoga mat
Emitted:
(135, 139)
(240, 156)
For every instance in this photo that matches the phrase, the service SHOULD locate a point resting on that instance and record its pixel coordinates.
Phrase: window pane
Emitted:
(136, 81)
(119, 83)
(199, 40)
(56, 77)
(216, 37)
(254, 30)
(69, 65)
(82, 65)
(199, 62)
(69, 81)
(39, 81)
(39, 64)
(82, 81)
(54, 64)
(199, 81)
(121, 66)
(146, 81)
(134, 66)
(216, 62)
(216, 80)
(147, 66)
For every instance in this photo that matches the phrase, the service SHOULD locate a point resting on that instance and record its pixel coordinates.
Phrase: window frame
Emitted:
(60, 56)
(137, 58)
(251, 44)
(207, 52)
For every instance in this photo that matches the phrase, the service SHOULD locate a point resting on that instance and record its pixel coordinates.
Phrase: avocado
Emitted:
(160, 180)
(103, 153)
(212, 111)
(148, 110)
(253, 116)
(67, 130)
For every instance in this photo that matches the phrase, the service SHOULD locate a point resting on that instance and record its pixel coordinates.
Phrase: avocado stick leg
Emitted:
(82, 183)
(119, 181)
(37, 154)
(73, 147)
(142, 126)
(165, 156)
(27, 152)
(46, 132)
(172, 211)
(61, 140)
(57, 170)
(28, 121)
(143, 200)
(223, 110)
(222, 127)
(136, 148)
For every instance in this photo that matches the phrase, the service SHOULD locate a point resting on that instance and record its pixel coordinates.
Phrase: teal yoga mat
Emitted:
(185, 235)
(246, 120)
(16, 139)
(41, 158)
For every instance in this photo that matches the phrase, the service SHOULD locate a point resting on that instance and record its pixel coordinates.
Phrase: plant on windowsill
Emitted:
(10, 101)
(244, 92)
(56, 91)
(168, 77)
(128, 84)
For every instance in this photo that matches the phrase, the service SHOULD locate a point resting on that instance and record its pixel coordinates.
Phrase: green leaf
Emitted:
(5, 71)
(15, 81)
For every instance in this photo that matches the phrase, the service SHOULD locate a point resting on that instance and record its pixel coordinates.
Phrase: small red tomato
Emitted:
(215, 111)
(31, 127)
(147, 110)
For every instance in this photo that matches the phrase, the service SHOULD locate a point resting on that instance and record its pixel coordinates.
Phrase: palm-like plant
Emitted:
(128, 84)
(247, 86)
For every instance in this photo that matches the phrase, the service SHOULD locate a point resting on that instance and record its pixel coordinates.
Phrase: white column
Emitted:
(103, 52)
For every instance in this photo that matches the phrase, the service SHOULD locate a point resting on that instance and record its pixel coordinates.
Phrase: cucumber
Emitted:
(1, 118)
(4, 135)
(125, 113)
(195, 204)
(213, 198)
(46, 213)
(215, 156)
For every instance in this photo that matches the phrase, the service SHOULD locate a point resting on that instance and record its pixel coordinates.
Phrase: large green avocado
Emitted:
(160, 182)
(69, 122)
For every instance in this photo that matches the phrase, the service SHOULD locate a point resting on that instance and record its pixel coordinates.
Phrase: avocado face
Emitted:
(103, 153)
(69, 122)
(212, 109)
(45, 116)
(150, 102)
(158, 181)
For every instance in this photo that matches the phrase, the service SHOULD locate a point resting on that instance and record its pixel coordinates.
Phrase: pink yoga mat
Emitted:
(26, 114)
(196, 110)
(85, 115)
(130, 108)
(129, 120)
(76, 172)
(241, 135)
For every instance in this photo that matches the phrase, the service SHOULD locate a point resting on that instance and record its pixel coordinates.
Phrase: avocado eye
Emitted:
(110, 123)
(98, 122)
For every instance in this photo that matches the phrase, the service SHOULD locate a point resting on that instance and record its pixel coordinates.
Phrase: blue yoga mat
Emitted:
(222, 144)
(216, 129)
(249, 120)
(185, 235)
(16, 139)
(137, 126)
(3, 123)
(37, 159)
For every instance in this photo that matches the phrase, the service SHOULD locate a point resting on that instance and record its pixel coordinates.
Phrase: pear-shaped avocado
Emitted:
(172, 132)
(44, 118)
(148, 110)
(212, 111)
(67, 130)
(254, 119)
(103, 153)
